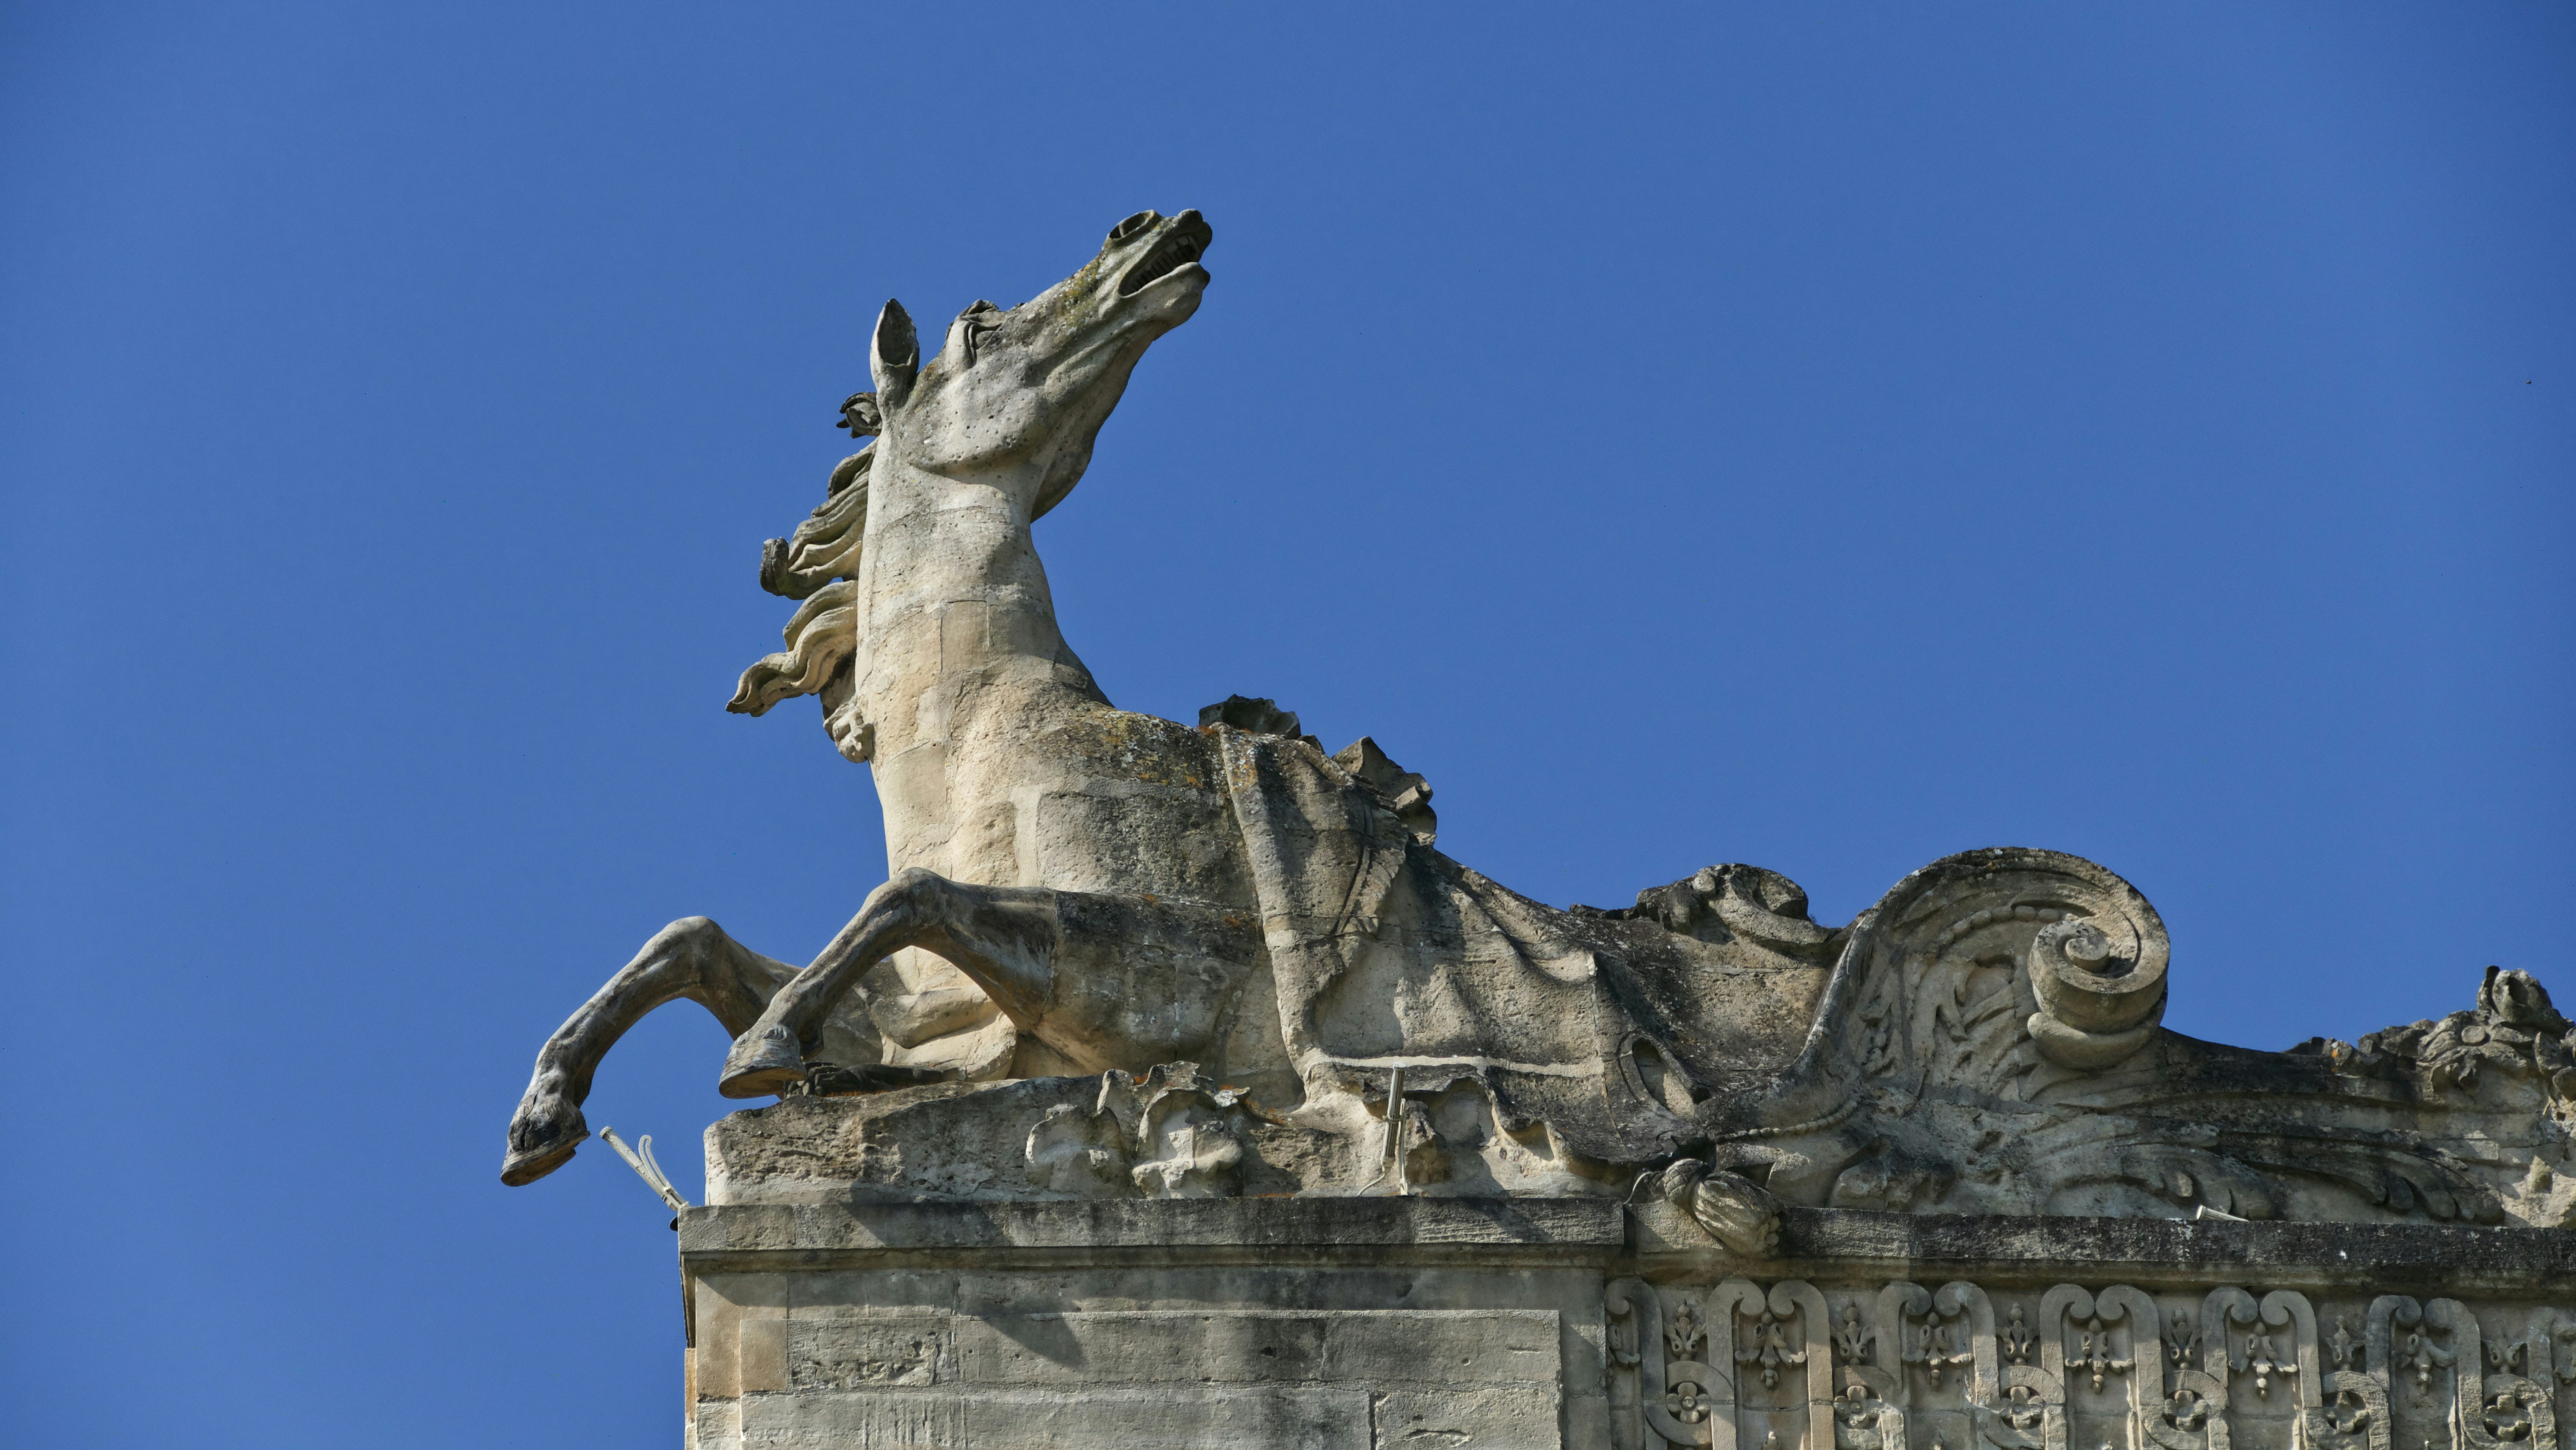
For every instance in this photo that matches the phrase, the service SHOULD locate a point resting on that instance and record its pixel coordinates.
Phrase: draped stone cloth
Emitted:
(1388, 954)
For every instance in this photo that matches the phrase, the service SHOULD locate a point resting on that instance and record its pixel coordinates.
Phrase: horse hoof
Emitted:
(759, 1082)
(522, 1168)
(538, 1148)
(762, 1065)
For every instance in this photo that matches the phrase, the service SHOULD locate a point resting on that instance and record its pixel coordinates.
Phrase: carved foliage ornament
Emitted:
(1990, 1042)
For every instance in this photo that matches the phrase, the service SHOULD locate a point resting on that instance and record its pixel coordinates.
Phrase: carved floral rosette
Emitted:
(1902, 1367)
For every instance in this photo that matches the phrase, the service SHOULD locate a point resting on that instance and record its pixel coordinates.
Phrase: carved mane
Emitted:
(818, 564)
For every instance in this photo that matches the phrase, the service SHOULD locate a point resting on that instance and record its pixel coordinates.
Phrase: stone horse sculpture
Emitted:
(1079, 890)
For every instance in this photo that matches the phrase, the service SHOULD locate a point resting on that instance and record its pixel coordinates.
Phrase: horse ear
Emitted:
(896, 357)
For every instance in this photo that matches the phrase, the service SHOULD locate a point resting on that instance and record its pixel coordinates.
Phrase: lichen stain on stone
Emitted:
(1138, 747)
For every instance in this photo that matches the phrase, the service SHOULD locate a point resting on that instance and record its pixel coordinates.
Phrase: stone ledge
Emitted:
(2152, 1251)
(2145, 1251)
(1591, 1224)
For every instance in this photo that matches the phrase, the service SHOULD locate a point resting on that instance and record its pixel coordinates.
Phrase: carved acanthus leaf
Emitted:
(2514, 1031)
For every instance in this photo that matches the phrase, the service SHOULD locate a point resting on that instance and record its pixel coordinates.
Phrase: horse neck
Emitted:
(958, 649)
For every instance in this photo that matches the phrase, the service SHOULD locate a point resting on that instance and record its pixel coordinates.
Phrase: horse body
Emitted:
(999, 762)
(1004, 774)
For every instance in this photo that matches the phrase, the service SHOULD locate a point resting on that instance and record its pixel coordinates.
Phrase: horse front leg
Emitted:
(1003, 937)
(692, 958)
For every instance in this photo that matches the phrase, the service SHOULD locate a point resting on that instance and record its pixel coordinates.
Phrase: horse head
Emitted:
(1012, 402)
(1018, 395)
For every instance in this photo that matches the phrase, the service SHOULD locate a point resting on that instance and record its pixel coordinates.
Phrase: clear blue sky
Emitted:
(1825, 437)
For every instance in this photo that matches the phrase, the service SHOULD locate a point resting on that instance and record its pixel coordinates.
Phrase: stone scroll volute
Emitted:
(1726, 1357)
(2001, 964)
(1796, 1298)
(2491, 1408)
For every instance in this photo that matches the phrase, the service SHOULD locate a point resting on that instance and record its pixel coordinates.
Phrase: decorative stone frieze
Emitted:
(1868, 1367)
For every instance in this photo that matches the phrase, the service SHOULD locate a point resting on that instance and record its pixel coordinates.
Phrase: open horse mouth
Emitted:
(1180, 248)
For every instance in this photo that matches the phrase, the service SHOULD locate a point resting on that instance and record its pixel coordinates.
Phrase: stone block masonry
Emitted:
(1392, 1322)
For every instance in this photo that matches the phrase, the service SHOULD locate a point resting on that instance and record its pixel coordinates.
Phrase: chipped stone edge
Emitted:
(1839, 1241)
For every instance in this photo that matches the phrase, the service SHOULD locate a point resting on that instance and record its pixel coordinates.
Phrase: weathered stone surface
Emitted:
(1127, 1377)
(1262, 1347)
(1504, 1417)
(1457, 1322)
(1300, 1417)
(1176, 1089)
(868, 1226)
(868, 1353)
(1260, 974)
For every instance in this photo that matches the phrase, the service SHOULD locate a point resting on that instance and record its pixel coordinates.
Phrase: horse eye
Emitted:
(1133, 225)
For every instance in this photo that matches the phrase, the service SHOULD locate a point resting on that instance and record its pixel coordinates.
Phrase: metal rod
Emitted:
(644, 1166)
